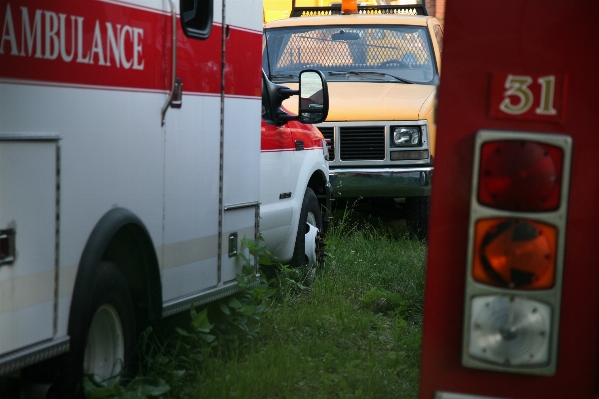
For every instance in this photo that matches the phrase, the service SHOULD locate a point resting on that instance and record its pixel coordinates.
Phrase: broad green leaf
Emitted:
(201, 322)
(158, 390)
(224, 308)
(234, 303)
(183, 332)
(209, 338)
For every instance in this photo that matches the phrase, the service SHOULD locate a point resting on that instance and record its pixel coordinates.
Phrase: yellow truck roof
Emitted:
(353, 19)
(279, 9)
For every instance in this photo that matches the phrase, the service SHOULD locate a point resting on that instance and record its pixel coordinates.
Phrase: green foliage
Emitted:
(343, 224)
(292, 283)
(220, 328)
(383, 301)
(354, 332)
(139, 388)
(330, 339)
(236, 318)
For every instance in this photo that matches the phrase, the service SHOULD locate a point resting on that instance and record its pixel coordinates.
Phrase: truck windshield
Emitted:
(398, 51)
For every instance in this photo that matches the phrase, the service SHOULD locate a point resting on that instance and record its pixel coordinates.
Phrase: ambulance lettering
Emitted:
(49, 35)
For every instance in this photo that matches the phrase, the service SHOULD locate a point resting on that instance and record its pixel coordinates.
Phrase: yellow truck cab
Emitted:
(382, 64)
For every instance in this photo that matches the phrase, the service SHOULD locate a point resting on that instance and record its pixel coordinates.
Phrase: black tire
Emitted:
(108, 304)
(310, 211)
(417, 210)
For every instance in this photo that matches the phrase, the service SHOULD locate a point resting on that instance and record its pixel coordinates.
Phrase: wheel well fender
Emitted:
(120, 237)
(319, 184)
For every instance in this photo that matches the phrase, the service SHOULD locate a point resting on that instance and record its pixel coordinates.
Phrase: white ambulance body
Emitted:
(108, 174)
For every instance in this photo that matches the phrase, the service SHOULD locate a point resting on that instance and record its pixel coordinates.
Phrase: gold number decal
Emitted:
(547, 91)
(517, 86)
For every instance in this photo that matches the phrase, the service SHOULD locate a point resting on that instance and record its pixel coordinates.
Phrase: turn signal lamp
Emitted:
(518, 212)
(349, 7)
(514, 253)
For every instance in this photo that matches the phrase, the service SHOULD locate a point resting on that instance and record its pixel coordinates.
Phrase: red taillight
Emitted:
(520, 175)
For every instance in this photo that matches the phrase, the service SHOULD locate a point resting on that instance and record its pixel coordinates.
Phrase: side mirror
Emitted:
(314, 97)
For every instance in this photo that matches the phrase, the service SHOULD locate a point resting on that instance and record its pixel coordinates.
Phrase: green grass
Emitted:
(353, 333)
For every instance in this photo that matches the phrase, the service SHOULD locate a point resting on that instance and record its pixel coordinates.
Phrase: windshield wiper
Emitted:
(358, 73)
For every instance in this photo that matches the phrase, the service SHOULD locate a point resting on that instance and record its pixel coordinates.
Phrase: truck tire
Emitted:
(105, 340)
(416, 211)
(309, 216)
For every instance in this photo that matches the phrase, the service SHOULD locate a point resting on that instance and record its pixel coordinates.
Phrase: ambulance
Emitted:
(511, 305)
(131, 149)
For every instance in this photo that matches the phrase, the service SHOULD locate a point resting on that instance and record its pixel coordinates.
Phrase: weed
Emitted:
(329, 340)
(219, 329)
(354, 332)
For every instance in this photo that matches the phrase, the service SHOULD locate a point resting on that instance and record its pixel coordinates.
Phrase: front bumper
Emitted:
(381, 182)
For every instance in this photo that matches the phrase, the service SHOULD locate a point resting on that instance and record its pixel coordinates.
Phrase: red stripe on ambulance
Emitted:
(43, 45)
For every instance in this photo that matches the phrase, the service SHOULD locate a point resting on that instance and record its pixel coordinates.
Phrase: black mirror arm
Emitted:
(276, 95)
(286, 92)
(283, 117)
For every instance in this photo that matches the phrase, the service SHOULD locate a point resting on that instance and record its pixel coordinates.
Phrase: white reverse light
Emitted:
(510, 330)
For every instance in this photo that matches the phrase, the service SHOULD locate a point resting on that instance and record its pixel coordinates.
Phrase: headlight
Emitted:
(405, 136)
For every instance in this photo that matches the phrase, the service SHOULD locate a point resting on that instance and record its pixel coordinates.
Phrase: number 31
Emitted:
(518, 86)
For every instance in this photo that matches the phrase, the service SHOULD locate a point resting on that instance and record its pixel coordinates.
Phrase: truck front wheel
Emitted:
(306, 247)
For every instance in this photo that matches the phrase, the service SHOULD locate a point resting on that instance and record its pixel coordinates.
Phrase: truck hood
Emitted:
(366, 101)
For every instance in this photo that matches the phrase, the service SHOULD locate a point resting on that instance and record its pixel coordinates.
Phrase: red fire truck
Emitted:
(511, 301)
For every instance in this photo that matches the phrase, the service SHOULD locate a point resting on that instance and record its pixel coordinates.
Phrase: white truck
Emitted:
(130, 157)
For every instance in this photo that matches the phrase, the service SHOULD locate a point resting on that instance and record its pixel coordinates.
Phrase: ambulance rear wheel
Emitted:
(310, 218)
(416, 211)
(102, 347)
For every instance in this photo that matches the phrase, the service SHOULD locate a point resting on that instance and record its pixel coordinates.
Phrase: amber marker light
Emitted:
(514, 253)
(349, 7)
(520, 175)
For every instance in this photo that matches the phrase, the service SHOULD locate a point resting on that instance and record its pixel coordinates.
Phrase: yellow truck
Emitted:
(382, 64)
(280, 9)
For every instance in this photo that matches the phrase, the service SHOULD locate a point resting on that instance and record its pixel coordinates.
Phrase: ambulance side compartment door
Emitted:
(28, 233)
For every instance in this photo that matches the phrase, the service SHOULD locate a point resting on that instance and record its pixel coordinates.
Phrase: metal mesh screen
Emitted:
(356, 47)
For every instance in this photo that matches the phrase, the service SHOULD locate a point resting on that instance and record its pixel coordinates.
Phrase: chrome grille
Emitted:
(358, 143)
(329, 134)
